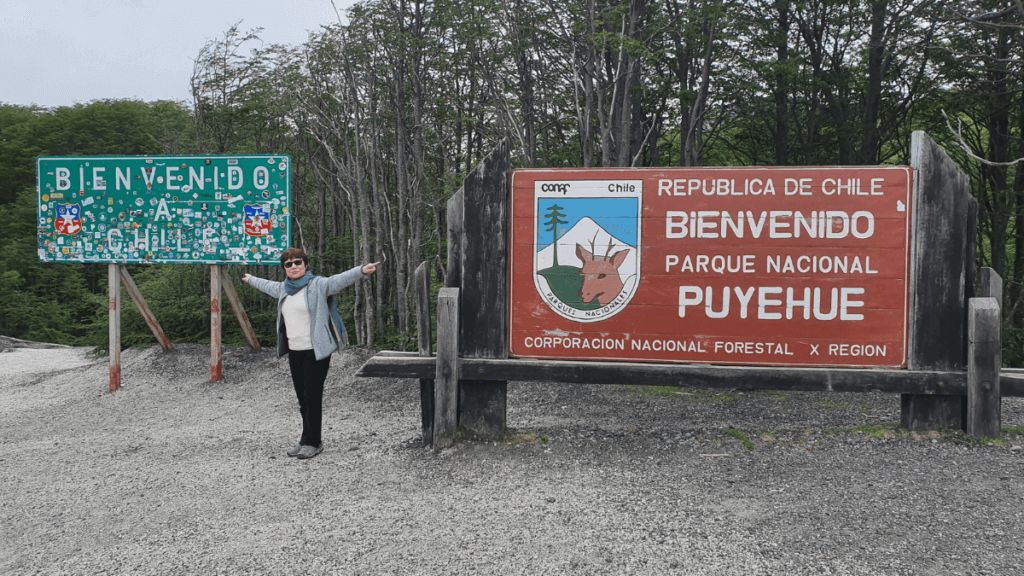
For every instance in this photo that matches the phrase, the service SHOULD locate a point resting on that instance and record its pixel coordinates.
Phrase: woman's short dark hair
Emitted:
(293, 253)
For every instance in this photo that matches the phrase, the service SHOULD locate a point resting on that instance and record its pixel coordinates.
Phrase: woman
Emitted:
(309, 330)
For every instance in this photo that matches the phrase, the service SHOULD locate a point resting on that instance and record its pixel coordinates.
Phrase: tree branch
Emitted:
(967, 149)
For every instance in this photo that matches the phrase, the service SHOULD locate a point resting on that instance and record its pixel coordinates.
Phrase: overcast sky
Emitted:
(62, 52)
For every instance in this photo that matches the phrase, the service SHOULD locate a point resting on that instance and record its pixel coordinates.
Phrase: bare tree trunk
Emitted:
(402, 173)
(692, 142)
(876, 53)
(780, 132)
(384, 232)
(363, 332)
(629, 122)
(418, 157)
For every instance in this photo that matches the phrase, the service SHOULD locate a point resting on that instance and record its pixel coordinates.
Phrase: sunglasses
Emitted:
(291, 263)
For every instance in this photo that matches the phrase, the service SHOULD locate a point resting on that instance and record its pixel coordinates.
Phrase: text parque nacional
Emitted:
(819, 227)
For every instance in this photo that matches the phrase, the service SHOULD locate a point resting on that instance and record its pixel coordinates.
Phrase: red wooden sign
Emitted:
(768, 266)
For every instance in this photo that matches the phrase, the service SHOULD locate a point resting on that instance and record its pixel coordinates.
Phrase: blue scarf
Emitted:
(292, 287)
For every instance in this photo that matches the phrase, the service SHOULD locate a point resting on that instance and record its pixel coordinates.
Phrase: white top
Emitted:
(296, 320)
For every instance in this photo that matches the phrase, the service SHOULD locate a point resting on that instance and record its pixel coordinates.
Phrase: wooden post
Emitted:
(114, 318)
(216, 352)
(455, 212)
(938, 258)
(236, 305)
(990, 285)
(147, 314)
(422, 283)
(939, 262)
(446, 380)
(971, 269)
(484, 282)
(983, 395)
(931, 411)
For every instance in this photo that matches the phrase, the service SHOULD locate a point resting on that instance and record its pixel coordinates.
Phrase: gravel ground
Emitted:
(177, 475)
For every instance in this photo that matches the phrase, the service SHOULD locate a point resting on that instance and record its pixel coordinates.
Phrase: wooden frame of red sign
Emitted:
(952, 374)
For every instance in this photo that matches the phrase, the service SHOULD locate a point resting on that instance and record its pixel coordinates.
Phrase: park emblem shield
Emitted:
(257, 220)
(69, 219)
(586, 259)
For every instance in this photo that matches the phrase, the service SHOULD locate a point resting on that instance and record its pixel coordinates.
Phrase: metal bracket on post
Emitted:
(216, 352)
(446, 380)
(985, 357)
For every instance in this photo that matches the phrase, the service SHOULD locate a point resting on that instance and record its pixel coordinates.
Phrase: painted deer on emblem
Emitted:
(600, 274)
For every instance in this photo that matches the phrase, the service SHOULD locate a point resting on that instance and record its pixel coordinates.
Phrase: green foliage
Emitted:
(872, 430)
(682, 393)
(66, 303)
(42, 302)
(741, 436)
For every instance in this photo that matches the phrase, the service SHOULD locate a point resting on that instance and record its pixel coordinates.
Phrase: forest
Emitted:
(383, 116)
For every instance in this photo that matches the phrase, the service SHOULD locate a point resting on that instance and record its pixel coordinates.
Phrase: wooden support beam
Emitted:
(484, 281)
(938, 258)
(236, 306)
(216, 351)
(423, 333)
(114, 319)
(446, 375)
(147, 314)
(941, 278)
(984, 418)
(409, 365)
(924, 412)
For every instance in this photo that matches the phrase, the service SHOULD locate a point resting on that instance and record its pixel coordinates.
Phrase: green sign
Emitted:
(163, 209)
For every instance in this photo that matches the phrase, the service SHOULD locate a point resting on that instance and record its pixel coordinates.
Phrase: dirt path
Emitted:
(175, 475)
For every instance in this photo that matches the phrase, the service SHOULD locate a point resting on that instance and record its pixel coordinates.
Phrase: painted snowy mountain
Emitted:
(565, 279)
(591, 236)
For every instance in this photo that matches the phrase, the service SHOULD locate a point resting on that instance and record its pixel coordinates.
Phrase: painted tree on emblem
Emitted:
(554, 219)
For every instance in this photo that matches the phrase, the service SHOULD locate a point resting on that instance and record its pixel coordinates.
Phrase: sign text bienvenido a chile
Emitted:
(163, 209)
(774, 266)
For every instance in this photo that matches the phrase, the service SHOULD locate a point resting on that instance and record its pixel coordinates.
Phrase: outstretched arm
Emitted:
(339, 281)
(266, 286)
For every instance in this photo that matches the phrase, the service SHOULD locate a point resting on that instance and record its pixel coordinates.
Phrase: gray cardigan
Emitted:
(317, 291)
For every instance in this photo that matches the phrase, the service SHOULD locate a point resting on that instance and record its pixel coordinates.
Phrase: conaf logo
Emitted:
(562, 187)
(586, 264)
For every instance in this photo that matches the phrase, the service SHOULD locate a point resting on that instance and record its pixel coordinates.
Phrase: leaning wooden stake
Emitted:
(216, 353)
(446, 381)
(147, 314)
(984, 360)
(236, 305)
(114, 316)
(422, 283)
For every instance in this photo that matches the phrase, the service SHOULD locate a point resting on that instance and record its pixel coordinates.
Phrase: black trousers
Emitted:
(308, 375)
